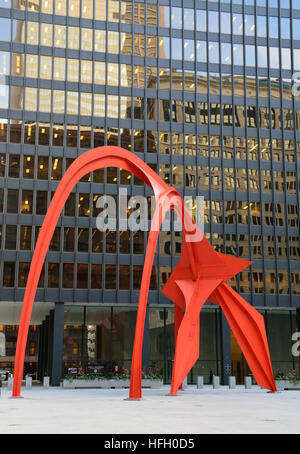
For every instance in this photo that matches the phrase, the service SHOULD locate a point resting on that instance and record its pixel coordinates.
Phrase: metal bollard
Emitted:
(0, 386)
(232, 382)
(200, 382)
(216, 382)
(184, 383)
(10, 383)
(28, 382)
(248, 382)
(46, 382)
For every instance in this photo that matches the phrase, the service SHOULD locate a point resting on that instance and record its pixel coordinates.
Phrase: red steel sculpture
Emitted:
(200, 275)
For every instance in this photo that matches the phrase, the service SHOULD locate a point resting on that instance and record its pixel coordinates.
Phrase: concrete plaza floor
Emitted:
(193, 411)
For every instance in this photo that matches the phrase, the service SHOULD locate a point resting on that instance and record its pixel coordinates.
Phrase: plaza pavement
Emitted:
(193, 411)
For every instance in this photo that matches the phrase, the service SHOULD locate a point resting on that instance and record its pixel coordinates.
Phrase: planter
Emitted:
(147, 383)
(107, 384)
(287, 384)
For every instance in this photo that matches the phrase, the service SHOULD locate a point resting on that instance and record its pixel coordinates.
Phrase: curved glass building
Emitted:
(206, 93)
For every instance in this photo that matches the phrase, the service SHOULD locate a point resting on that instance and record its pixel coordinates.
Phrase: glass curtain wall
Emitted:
(280, 326)
(162, 344)
(98, 339)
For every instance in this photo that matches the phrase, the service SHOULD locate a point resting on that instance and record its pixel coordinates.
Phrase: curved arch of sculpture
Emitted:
(200, 274)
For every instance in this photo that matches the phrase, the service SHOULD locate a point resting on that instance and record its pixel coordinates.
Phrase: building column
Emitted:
(225, 349)
(57, 344)
(40, 355)
(46, 346)
(84, 352)
(146, 344)
(298, 318)
(50, 342)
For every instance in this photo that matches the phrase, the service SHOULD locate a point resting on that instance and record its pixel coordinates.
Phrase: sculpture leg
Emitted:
(178, 317)
(135, 391)
(19, 358)
(32, 283)
(187, 345)
(249, 329)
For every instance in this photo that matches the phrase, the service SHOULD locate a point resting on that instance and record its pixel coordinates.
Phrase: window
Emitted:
(100, 11)
(226, 53)
(25, 237)
(83, 240)
(58, 135)
(12, 201)
(3, 129)
(225, 23)
(47, 6)
(33, 33)
(46, 34)
(68, 275)
(43, 168)
(53, 275)
(213, 52)
(237, 24)
(124, 277)
(2, 165)
(176, 17)
(83, 205)
(110, 277)
(44, 133)
(9, 274)
(113, 42)
(70, 205)
(112, 74)
(60, 39)
(201, 20)
(17, 64)
(96, 276)
(213, 21)
(45, 67)
(72, 103)
(189, 50)
(97, 241)
(23, 274)
(60, 7)
(189, 19)
(11, 237)
(14, 166)
(74, 8)
(45, 100)
(41, 202)
(249, 25)
(201, 51)
(176, 44)
(261, 26)
(58, 101)
(27, 202)
(56, 171)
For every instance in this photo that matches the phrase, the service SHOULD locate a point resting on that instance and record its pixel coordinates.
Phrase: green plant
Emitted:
(110, 376)
(287, 378)
(290, 376)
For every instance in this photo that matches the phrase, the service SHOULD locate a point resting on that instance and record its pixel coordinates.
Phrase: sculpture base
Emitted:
(133, 398)
(16, 397)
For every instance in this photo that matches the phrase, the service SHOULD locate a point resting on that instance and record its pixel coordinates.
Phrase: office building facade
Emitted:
(205, 92)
